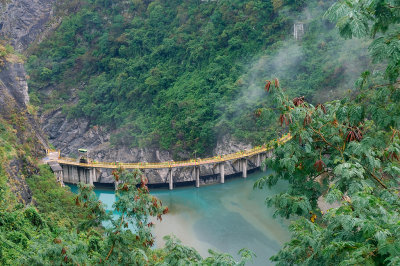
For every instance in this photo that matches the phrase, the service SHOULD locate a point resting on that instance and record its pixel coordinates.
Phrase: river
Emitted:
(223, 217)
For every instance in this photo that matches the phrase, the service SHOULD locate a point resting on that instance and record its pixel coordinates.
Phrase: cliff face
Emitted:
(21, 22)
(69, 135)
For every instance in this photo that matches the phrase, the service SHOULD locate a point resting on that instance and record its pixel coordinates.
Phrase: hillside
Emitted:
(178, 76)
(169, 79)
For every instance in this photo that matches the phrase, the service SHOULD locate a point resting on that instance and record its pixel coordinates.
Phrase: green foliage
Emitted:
(177, 254)
(345, 152)
(34, 217)
(125, 239)
(54, 201)
(178, 75)
(363, 231)
(370, 18)
(5, 50)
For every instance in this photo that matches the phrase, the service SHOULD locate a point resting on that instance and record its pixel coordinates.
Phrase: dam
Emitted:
(70, 170)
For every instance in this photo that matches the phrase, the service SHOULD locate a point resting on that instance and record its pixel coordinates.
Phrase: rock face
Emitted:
(69, 135)
(13, 85)
(21, 21)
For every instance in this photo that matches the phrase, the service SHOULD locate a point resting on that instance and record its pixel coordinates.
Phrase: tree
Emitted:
(345, 151)
(103, 238)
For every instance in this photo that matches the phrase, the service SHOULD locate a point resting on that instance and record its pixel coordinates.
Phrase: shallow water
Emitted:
(223, 217)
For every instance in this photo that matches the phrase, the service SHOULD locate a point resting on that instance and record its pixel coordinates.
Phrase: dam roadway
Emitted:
(71, 170)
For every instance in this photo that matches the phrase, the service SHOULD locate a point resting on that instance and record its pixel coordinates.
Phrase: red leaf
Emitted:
(298, 101)
(166, 210)
(267, 86)
(276, 83)
(319, 165)
(281, 118)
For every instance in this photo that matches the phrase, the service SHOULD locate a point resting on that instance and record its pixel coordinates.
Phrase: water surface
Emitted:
(224, 217)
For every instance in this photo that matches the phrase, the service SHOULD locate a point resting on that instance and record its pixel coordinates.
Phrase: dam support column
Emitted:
(258, 162)
(222, 172)
(197, 175)
(62, 178)
(74, 175)
(91, 176)
(94, 175)
(171, 181)
(244, 167)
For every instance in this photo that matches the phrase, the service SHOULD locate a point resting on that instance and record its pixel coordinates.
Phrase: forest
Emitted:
(179, 75)
(345, 147)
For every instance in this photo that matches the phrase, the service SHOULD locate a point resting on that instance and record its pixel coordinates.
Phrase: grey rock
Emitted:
(13, 85)
(21, 22)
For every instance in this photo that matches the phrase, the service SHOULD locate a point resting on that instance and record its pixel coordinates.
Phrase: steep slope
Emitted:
(22, 140)
(138, 77)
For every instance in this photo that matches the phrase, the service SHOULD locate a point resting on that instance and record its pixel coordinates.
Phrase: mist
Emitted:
(320, 66)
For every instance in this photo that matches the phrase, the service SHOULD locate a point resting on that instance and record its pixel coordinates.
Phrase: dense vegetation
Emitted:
(23, 226)
(179, 74)
(345, 151)
(26, 237)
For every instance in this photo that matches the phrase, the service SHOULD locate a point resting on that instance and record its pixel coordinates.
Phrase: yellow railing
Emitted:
(171, 164)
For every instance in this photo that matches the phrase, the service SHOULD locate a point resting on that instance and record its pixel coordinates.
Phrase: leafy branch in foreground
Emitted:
(344, 152)
(340, 152)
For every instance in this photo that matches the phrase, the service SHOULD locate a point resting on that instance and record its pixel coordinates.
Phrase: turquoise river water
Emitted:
(223, 217)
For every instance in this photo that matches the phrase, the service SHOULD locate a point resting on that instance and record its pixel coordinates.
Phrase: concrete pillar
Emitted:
(62, 177)
(70, 174)
(94, 175)
(244, 161)
(171, 180)
(116, 184)
(74, 174)
(66, 175)
(78, 171)
(197, 175)
(258, 162)
(91, 176)
(222, 172)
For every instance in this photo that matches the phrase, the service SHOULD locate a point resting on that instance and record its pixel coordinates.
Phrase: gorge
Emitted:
(164, 94)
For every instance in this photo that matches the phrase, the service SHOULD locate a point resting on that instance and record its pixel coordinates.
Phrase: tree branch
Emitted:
(112, 246)
(377, 179)
(324, 140)
(384, 85)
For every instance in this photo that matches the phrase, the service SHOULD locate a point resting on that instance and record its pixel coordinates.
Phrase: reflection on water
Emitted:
(224, 217)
